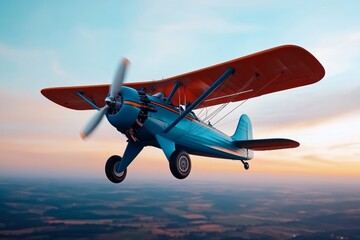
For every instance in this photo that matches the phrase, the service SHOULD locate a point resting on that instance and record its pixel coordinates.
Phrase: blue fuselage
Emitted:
(190, 134)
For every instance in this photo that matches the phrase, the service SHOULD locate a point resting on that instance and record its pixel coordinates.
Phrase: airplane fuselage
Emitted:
(190, 134)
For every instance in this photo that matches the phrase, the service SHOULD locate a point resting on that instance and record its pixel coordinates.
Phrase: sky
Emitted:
(60, 43)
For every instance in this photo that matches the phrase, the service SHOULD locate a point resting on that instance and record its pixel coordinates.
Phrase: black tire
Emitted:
(246, 166)
(110, 169)
(180, 164)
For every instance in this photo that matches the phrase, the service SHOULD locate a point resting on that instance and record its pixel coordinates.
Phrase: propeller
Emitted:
(110, 100)
(94, 121)
(117, 82)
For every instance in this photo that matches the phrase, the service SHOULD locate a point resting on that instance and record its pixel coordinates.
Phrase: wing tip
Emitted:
(320, 70)
(44, 92)
(293, 143)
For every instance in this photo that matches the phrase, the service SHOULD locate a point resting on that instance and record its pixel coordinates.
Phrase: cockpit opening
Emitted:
(179, 108)
(159, 95)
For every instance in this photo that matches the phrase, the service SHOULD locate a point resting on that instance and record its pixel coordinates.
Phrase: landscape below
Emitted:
(54, 209)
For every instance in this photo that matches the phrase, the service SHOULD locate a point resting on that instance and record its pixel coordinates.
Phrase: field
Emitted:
(51, 209)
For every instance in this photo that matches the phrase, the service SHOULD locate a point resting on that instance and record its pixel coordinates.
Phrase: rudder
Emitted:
(243, 129)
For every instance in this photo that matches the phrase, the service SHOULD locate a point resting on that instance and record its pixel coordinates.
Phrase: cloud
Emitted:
(176, 39)
(295, 109)
(163, 39)
(43, 139)
(22, 55)
(34, 124)
(353, 145)
(58, 69)
(31, 68)
(335, 96)
(209, 26)
(339, 52)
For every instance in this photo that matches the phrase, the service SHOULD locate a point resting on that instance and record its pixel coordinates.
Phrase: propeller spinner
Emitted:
(110, 100)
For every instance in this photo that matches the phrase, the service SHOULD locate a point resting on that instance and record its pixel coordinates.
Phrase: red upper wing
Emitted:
(257, 74)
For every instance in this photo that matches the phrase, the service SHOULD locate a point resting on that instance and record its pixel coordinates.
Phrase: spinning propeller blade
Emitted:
(92, 124)
(119, 78)
(110, 100)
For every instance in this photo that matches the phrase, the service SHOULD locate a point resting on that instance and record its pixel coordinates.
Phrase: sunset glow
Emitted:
(46, 44)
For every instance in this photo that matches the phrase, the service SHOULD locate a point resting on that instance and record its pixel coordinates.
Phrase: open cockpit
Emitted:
(180, 108)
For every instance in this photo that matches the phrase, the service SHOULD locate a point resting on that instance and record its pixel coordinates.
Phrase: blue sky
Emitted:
(57, 43)
(162, 38)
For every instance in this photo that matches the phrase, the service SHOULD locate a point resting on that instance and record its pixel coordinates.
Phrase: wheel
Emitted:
(180, 164)
(111, 167)
(246, 166)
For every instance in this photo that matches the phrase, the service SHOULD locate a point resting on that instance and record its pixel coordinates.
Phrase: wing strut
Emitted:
(212, 88)
(87, 100)
(177, 84)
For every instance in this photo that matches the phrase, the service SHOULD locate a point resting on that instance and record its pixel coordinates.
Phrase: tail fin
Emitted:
(243, 130)
(243, 138)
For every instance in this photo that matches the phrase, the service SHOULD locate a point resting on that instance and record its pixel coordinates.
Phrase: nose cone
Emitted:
(109, 101)
(114, 103)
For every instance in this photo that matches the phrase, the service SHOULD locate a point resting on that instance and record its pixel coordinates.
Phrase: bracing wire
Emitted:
(216, 91)
(242, 88)
(236, 107)
(221, 107)
(241, 103)
(216, 111)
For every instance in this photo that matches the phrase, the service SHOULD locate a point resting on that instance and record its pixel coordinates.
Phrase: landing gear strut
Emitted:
(111, 169)
(246, 165)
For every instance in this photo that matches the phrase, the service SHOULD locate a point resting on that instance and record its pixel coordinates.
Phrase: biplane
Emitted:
(161, 113)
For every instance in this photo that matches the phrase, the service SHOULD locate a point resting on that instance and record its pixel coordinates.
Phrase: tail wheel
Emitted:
(246, 164)
(111, 169)
(180, 164)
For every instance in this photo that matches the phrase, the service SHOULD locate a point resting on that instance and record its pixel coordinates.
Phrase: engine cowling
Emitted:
(129, 112)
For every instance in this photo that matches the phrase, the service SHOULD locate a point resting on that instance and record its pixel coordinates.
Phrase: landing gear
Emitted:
(180, 164)
(246, 165)
(111, 169)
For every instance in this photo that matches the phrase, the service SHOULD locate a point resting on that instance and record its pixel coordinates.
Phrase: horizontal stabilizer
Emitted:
(267, 144)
